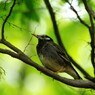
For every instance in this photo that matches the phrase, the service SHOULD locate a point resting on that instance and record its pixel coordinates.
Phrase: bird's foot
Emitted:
(60, 70)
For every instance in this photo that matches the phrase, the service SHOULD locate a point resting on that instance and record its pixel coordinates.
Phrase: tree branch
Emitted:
(92, 35)
(82, 70)
(74, 10)
(88, 8)
(91, 31)
(10, 46)
(53, 18)
(5, 51)
(27, 60)
(18, 54)
(57, 32)
(3, 25)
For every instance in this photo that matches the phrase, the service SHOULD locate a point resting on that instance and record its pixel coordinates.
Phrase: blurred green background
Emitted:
(31, 16)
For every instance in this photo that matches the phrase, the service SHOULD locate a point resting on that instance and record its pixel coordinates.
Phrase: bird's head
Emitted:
(43, 37)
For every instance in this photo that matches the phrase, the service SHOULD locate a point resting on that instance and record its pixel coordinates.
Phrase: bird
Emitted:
(54, 57)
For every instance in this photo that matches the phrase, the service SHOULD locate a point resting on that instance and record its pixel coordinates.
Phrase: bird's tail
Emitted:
(71, 71)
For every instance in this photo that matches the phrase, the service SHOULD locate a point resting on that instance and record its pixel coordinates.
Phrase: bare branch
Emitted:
(91, 31)
(82, 70)
(18, 54)
(92, 35)
(53, 18)
(10, 46)
(27, 44)
(74, 10)
(5, 51)
(27, 60)
(56, 28)
(89, 9)
(3, 25)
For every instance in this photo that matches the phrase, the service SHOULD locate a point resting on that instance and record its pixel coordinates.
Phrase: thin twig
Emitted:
(89, 9)
(27, 60)
(82, 70)
(57, 32)
(21, 56)
(29, 40)
(91, 31)
(74, 10)
(3, 25)
(10, 46)
(27, 44)
(2, 71)
(53, 18)
(16, 26)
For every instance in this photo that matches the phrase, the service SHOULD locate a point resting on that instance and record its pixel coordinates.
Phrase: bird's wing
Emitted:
(64, 56)
(61, 52)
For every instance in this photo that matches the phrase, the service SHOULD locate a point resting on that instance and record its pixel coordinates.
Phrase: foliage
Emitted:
(31, 16)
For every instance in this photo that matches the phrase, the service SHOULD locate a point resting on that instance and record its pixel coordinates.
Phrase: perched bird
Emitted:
(53, 56)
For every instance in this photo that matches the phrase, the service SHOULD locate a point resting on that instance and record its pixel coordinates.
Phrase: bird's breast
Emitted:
(49, 57)
(50, 63)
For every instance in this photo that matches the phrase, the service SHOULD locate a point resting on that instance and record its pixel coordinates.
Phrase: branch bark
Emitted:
(74, 10)
(89, 9)
(5, 51)
(52, 15)
(57, 32)
(18, 54)
(3, 25)
(91, 31)
(27, 60)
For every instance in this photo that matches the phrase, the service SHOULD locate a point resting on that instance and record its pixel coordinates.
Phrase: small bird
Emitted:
(53, 57)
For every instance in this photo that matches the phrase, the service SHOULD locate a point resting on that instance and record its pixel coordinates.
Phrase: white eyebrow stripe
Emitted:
(47, 38)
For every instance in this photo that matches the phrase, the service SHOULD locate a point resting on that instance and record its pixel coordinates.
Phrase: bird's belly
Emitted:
(50, 64)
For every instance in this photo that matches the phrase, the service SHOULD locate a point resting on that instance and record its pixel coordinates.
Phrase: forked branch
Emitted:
(27, 60)
(18, 54)
(55, 26)
(91, 30)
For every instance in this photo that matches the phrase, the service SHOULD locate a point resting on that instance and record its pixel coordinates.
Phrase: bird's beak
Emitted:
(35, 35)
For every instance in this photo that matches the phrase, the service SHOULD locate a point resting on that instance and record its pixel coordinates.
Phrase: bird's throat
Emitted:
(40, 45)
